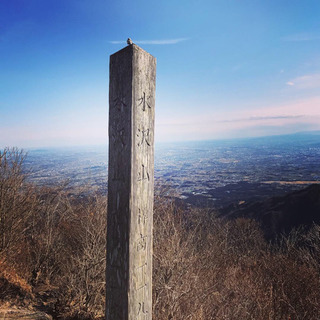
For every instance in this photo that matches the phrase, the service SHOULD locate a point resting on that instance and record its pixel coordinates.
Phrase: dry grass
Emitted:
(205, 268)
(52, 249)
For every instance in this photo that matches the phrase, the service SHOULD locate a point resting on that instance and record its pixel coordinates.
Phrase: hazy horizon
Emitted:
(293, 137)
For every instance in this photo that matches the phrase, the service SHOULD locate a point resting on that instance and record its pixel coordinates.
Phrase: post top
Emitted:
(132, 47)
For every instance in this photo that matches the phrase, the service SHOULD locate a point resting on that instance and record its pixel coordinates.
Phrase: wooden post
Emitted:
(130, 184)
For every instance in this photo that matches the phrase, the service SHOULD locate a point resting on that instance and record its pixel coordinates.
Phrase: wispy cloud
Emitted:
(301, 37)
(310, 81)
(156, 42)
(288, 117)
(263, 118)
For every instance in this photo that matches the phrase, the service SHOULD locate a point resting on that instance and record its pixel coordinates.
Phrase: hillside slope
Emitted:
(281, 214)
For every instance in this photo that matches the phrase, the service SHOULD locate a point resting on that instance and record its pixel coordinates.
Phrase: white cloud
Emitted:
(310, 81)
(157, 42)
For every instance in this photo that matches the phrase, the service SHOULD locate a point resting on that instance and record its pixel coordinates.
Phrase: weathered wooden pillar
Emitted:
(130, 184)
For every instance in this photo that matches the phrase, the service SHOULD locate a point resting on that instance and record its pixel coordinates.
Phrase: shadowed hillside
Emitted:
(281, 214)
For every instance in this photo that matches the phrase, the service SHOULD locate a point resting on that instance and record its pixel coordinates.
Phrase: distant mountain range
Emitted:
(279, 215)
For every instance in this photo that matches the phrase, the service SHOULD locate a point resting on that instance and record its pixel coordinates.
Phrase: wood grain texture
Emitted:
(130, 184)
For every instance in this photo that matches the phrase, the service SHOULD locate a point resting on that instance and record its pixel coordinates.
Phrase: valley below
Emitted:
(211, 174)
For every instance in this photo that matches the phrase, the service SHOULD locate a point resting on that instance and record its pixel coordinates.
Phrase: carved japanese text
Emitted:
(144, 101)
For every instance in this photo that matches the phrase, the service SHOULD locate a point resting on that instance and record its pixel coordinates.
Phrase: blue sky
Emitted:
(224, 68)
